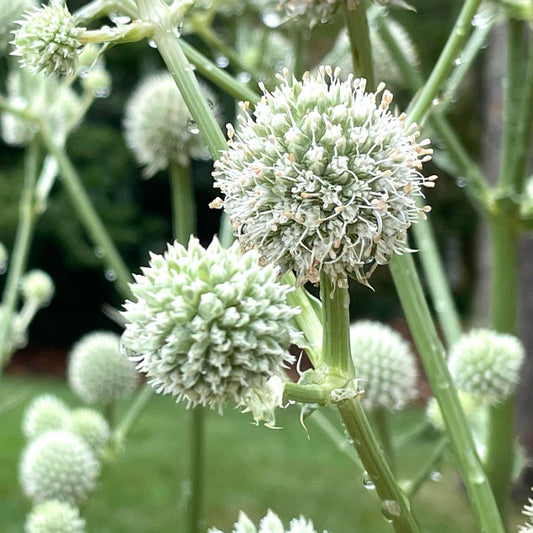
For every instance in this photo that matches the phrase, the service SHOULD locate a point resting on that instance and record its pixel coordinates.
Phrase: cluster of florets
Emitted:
(486, 363)
(58, 465)
(10, 12)
(45, 413)
(527, 511)
(384, 364)
(208, 325)
(158, 126)
(97, 372)
(54, 516)
(47, 40)
(323, 177)
(37, 286)
(270, 524)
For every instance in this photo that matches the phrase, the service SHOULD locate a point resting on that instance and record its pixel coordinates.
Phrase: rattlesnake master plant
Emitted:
(58, 465)
(54, 516)
(45, 413)
(270, 524)
(47, 40)
(384, 364)
(37, 286)
(159, 128)
(486, 363)
(208, 326)
(97, 372)
(323, 177)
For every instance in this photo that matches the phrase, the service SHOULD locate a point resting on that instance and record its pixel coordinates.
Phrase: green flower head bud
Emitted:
(158, 126)
(486, 363)
(45, 413)
(10, 12)
(384, 364)
(208, 325)
(37, 286)
(47, 40)
(54, 516)
(58, 466)
(92, 427)
(97, 372)
(270, 524)
(323, 177)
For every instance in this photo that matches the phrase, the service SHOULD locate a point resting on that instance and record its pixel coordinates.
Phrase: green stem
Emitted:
(123, 427)
(196, 448)
(308, 394)
(109, 414)
(216, 75)
(433, 358)
(21, 248)
(299, 53)
(86, 212)
(504, 308)
(336, 331)
(100, 8)
(394, 504)
(183, 205)
(414, 485)
(24, 113)
(381, 423)
(357, 26)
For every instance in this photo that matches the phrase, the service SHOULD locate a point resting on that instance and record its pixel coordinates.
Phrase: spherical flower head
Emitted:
(97, 372)
(384, 364)
(54, 516)
(58, 466)
(270, 523)
(45, 413)
(470, 405)
(158, 126)
(10, 12)
(37, 286)
(323, 177)
(486, 363)
(92, 427)
(208, 325)
(47, 40)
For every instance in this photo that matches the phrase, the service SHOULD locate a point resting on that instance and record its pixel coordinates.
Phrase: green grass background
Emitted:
(248, 467)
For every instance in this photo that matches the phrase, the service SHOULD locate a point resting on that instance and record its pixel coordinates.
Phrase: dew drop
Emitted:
(368, 484)
(244, 77)
(110, 275)
(271, 20)
(457, 61)
(101, 92)
(99, 252)
(192, 127)
(435, 476)
(151, 43)
(119, 18)
(222, 61)
(390, 509)
(83, 72)
(435, 102)
(461, 182)
(177, 30)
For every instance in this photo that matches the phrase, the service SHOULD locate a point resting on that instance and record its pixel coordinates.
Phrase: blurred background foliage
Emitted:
(137, 211)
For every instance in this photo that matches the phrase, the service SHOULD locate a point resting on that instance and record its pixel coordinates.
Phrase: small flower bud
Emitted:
(54, 516)
(92, 427)
(58, 465)
(37, 286)
(486, 363)
(47, 40)
(97, 372)
(45, 413)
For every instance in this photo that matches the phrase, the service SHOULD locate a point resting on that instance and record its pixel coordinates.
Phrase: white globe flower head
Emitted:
(11, 11)
(48, 40)
(270, 524)
(158, 126)
(323, 177)
(37, 286)
(58, 466)
(45, 413)
(384, 364)
(92, 427)
(97, 372)
(486, 363)
(54, 516)
(208, 325)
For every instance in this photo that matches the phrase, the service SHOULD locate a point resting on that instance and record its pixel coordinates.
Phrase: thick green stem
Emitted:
(381, 423)
(196, 449)
(183, 205)
(394, 504)
(336, 332)
(21, 248)
(357, 26)
(504, 311)
(433, 358)
(87, 214)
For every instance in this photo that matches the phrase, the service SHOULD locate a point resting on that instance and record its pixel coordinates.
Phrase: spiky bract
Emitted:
(208, 325)
(58, 465)
(11, 10)
(486, 363)
(158, 126)
(45, 413)
(97, 372)
(54, 516)
(527, 511)
(37, 286)
(323, 177)
(47, 40)
(92, 427)
(384, 363)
